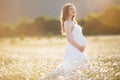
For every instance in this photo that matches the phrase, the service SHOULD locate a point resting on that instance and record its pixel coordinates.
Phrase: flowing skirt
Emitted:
(73, 58)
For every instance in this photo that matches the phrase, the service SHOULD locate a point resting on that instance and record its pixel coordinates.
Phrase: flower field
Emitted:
(35, 58)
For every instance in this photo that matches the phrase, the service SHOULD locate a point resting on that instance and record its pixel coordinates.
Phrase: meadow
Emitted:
(34, 58)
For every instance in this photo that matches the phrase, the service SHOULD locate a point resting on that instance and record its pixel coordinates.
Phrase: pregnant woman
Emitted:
(76, 42)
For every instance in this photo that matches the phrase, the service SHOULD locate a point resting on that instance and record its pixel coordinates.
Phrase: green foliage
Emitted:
(5, 30)
(106, 22)
(49, 34)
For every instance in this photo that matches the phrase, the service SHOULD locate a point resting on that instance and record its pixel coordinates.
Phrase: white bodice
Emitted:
(72, 54)
(78, 35)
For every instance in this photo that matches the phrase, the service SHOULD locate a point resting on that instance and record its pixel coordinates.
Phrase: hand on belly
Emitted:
(82, 48)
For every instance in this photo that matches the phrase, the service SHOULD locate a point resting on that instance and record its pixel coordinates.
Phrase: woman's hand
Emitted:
(81, 48)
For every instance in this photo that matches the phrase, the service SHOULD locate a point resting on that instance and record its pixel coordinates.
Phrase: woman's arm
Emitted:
(68, 29)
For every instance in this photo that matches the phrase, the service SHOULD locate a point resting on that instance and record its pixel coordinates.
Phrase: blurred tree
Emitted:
(53, 25)
(5, 30)
(106, 22)
(39, 24)
(23, 27)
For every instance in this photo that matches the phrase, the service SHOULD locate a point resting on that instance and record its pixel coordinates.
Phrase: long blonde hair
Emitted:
(64, 15)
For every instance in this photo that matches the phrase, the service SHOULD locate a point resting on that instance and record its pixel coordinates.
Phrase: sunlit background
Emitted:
(31, 45)
(12, 10)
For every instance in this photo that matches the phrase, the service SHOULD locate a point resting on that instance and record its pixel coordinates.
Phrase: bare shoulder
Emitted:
(68, 26)
(68, 23)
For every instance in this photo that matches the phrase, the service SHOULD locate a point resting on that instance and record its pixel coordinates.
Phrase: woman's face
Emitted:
(72, 10)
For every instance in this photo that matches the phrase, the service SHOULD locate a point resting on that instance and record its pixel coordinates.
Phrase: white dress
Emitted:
(73, 55)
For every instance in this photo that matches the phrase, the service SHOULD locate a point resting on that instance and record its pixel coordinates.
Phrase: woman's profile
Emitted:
(76, 42)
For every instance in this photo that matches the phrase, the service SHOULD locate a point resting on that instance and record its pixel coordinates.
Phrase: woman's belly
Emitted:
(81, 40)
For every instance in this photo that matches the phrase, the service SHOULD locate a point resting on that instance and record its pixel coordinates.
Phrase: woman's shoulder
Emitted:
(67, 22)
